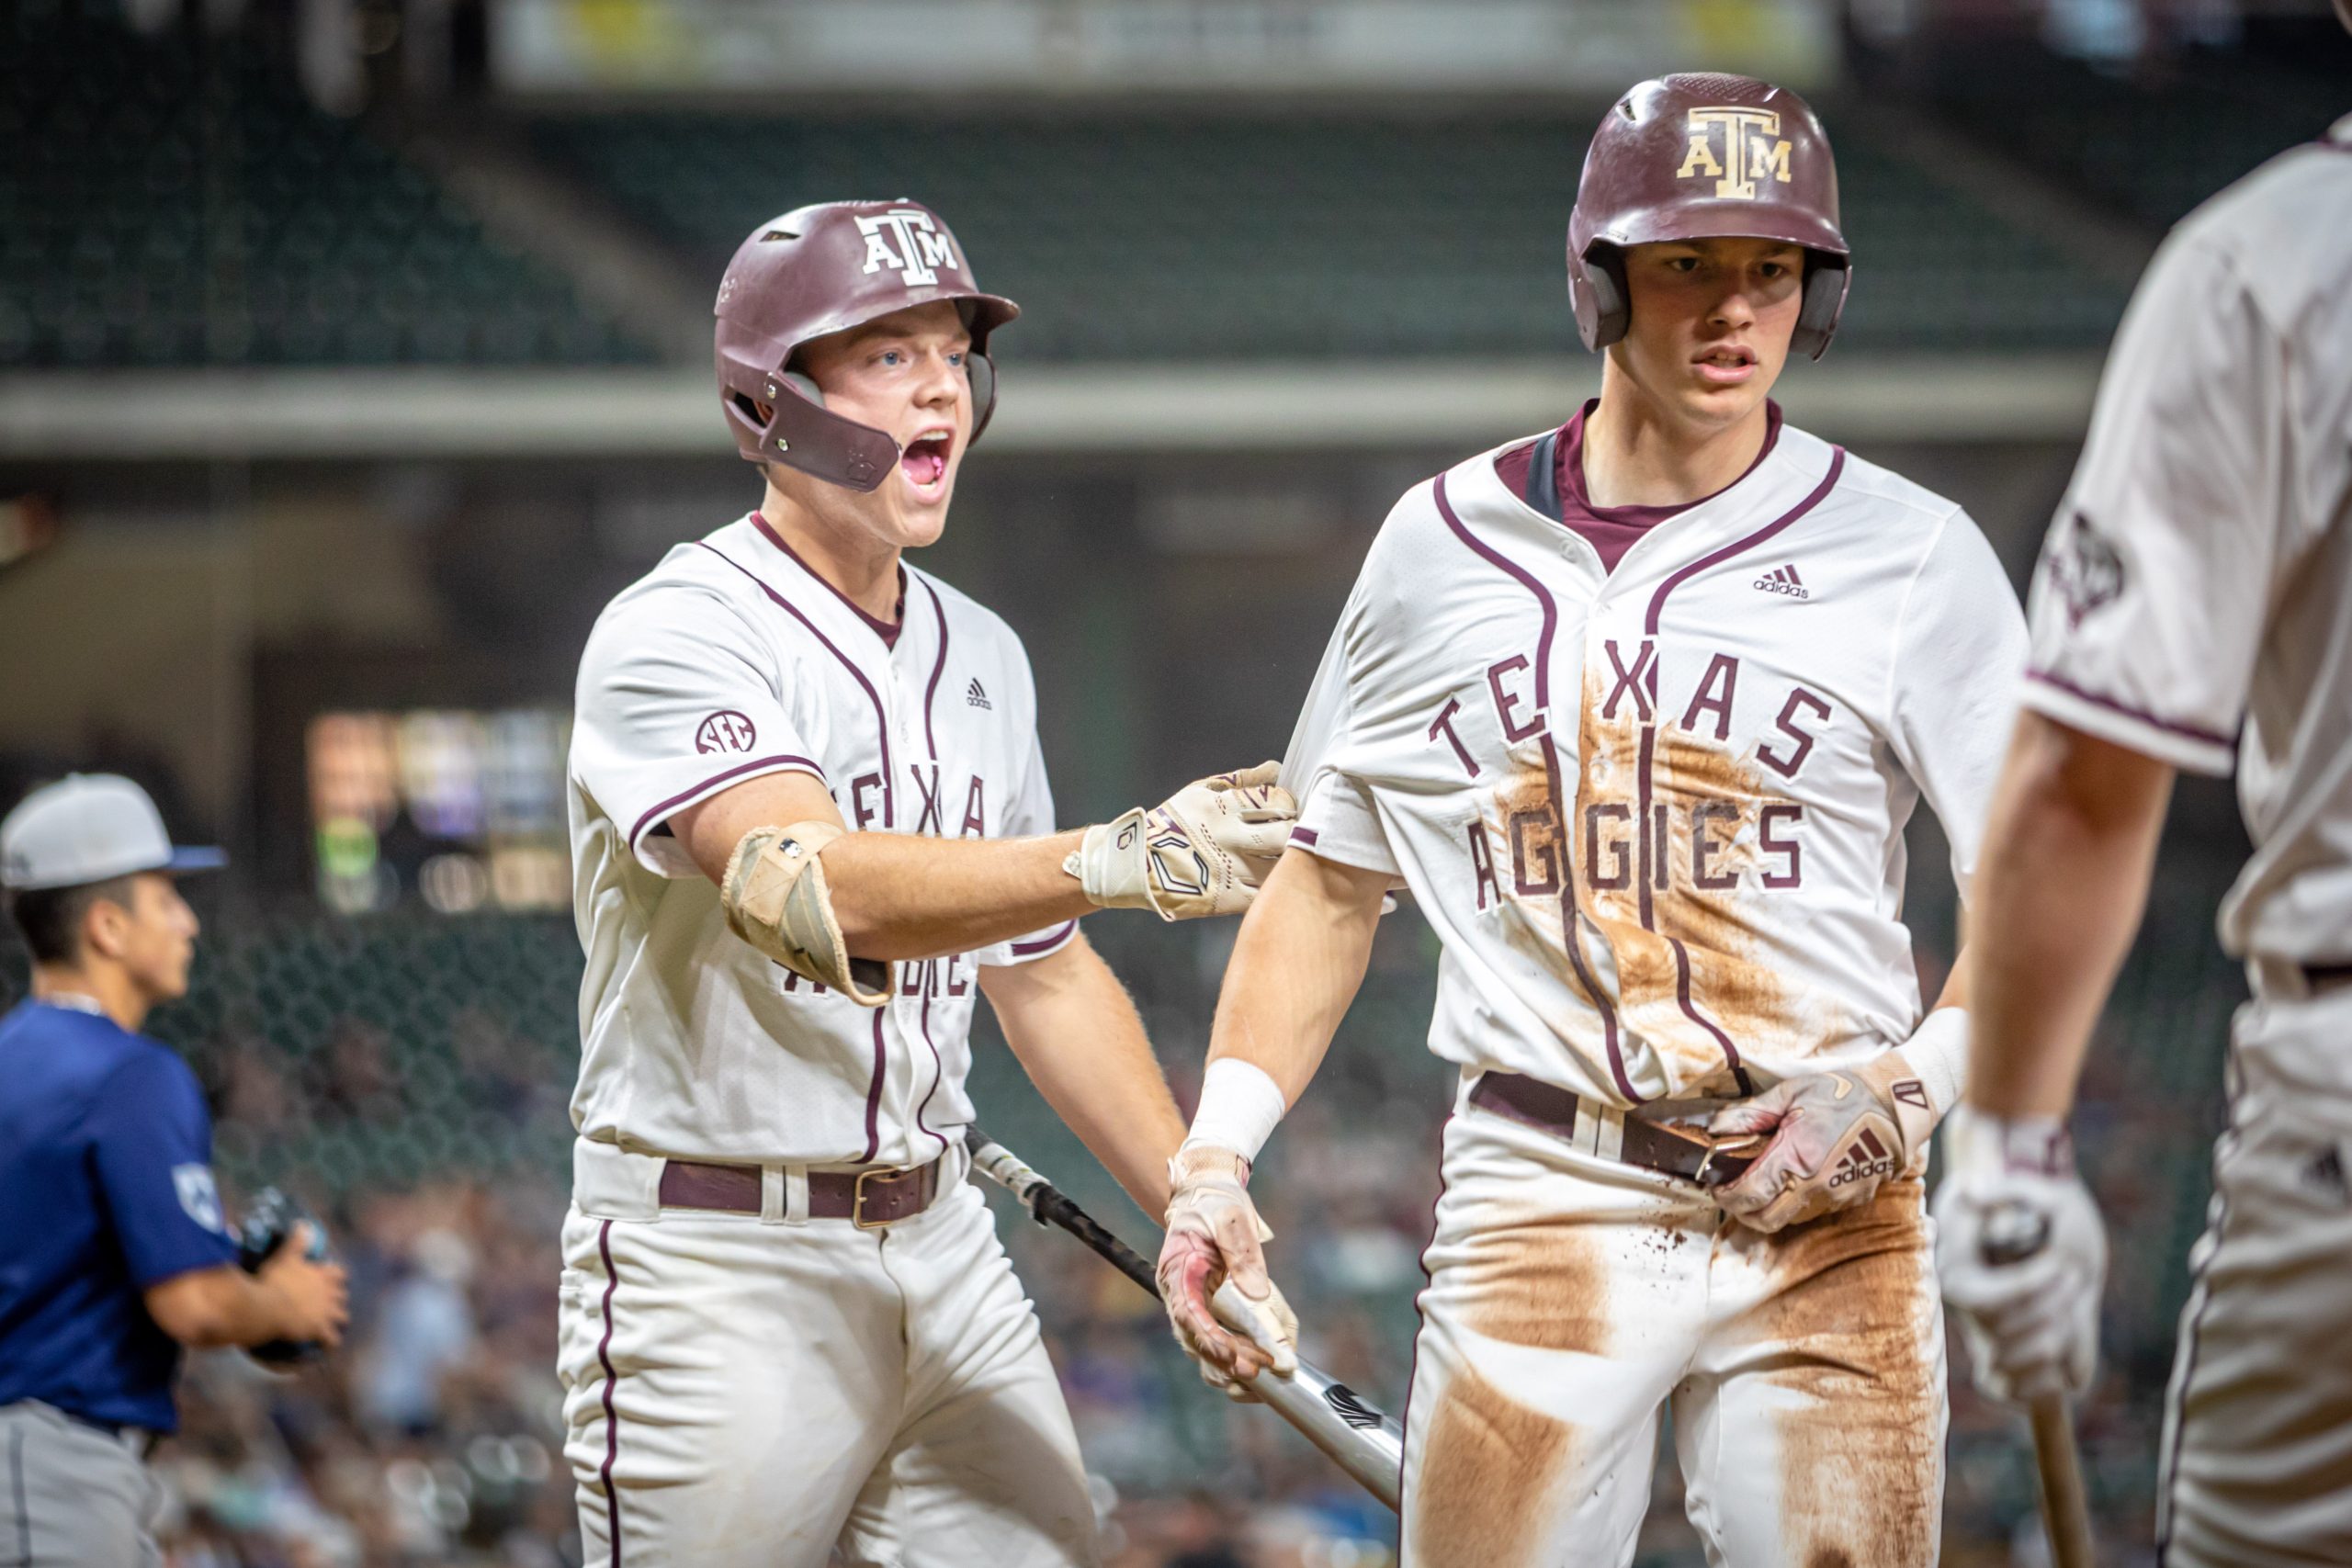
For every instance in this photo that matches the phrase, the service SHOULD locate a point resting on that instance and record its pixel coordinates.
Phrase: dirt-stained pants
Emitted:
(1570, 1297)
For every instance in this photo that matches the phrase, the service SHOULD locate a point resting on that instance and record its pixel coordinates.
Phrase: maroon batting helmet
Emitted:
(825, 269)
(1703, 156)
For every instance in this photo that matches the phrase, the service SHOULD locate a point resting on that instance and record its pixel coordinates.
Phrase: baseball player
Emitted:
(1637, 709)
(811, 827)
(114, 1249)
(2192, 609)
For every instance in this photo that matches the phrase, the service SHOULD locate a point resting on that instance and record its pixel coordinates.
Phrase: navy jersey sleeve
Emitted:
(152, 1141)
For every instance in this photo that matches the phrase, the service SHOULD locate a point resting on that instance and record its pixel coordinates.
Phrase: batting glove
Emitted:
(2023, 1255)
(1214, 1236)
(1202, 852)
(1836, 1137)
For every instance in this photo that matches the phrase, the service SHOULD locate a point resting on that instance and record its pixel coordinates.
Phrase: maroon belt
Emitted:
(1653, 1145)
(2326, 977)
(880, 1196)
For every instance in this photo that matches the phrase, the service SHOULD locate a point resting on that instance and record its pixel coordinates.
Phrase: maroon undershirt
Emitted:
(887, 630)
(1610, 530)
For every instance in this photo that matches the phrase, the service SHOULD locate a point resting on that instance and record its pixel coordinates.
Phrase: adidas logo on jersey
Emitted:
(1783, 579)
(976, 695)
(1864, 1157)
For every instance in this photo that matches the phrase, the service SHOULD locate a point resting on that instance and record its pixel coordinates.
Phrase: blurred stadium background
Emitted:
(352, 352)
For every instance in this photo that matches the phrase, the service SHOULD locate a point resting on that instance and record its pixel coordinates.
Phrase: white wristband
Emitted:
(1938, 1051)
(1239, 1108)
(1983, 1148)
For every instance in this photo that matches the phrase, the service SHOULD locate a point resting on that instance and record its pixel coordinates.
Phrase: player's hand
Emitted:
(2023, 1255)
(1214, 1236)
(314, 1296)
(1204, 851)
(1836, 1137)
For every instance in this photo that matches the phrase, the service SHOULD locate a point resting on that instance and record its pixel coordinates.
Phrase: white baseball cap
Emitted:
(89, 827)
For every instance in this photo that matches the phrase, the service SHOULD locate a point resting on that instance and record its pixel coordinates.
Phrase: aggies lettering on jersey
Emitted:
(1646, 806)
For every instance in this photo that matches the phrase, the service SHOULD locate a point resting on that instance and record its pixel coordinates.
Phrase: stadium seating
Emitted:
(172, 201)
(1254, 239)
(2151, 153)
(169, 202)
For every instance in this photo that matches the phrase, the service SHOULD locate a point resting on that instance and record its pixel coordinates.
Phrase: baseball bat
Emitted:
(1327, 1413)
(2065, 1511)
(2013, 1233)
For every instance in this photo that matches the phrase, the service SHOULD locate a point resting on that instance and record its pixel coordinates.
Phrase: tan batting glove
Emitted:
(1201, 852)
(1214, 1236)
(1836, 1137)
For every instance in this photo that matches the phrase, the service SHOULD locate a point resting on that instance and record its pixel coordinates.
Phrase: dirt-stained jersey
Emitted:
(1655, 815)
(2194, 599)
(728, 661)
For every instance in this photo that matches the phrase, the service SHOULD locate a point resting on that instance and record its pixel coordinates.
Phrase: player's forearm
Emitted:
(208, 1308)
(1296, 966)
(899, 896)
(1076, 1034)
(2058, 897)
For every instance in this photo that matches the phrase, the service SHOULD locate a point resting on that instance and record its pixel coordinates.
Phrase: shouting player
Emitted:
(810, 820)
(2193, 609)
(1638, 709)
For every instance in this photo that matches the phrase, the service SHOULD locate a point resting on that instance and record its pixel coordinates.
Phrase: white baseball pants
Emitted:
(1570, 1297)
(741, 1392)
(2255, 1466)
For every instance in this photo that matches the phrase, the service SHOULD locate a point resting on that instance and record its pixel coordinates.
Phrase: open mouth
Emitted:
(924, 460)
(1726, 364)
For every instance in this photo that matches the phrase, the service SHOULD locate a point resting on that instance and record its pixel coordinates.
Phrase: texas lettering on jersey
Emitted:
(1655, 812)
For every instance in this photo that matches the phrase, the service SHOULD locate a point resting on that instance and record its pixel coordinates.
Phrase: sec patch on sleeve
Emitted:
(726, 731)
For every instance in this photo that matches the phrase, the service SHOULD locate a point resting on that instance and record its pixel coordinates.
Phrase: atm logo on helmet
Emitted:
(921, 247)
(1752, 148)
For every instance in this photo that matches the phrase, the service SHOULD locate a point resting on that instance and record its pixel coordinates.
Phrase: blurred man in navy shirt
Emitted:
(114, 1252)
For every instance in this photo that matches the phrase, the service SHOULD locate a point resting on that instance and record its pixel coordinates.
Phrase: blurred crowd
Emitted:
(409, 1081)
(434, 1437)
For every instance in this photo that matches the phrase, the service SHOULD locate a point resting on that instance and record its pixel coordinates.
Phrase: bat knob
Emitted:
(2013, 1233)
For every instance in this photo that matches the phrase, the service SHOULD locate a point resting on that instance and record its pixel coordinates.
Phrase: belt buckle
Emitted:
(857, 1198)
(1742, 1146)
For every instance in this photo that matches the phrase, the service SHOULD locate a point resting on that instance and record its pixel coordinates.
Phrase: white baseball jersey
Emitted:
(2194, 602)
(2194, 599)
(1655, 814)
(728, 661)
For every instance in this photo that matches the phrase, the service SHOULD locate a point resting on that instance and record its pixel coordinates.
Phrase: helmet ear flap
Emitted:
(801, 432)
(1597, 290)
(1826, 279)
(982, 370)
